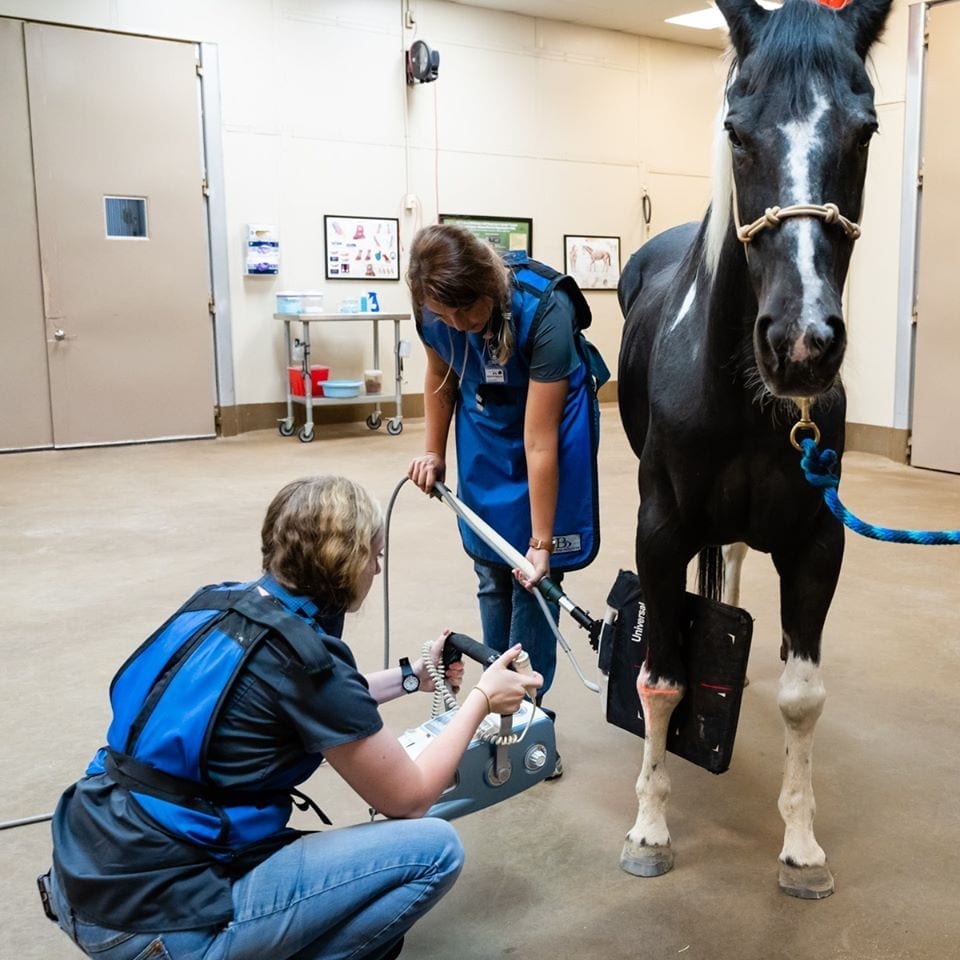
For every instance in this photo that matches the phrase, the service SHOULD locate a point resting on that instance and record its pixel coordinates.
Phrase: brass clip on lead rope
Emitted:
(804, 423)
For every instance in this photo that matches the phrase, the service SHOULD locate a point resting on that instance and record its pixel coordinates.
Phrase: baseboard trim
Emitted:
(245, 417)
(889, 442)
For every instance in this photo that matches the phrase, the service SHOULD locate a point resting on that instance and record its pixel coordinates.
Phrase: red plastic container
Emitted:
(317, 375)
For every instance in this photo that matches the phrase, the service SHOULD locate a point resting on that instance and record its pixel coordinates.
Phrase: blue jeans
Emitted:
(349, 893)
(510, 614)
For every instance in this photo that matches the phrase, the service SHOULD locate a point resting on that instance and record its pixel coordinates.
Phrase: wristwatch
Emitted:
(408, 679)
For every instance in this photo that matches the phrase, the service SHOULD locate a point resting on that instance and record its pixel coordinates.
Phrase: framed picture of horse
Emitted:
(594, 262)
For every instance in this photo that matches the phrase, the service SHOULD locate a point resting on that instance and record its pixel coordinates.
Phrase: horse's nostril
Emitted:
(826, 339)
(766, 333)
(819, 340)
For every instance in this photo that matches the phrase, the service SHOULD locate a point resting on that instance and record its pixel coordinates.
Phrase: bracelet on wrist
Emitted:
(538, 543)
(485, 697)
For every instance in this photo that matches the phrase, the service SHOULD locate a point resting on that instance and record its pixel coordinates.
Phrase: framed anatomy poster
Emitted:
(362, 248)
(594, 262)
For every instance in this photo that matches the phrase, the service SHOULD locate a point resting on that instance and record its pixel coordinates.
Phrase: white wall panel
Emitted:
(340, 84)
(682, 94)
(870, 365)
(587, 112)
(488, 101)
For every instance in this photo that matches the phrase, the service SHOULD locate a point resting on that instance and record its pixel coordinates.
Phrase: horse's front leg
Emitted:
(661, 569)
(808, 578)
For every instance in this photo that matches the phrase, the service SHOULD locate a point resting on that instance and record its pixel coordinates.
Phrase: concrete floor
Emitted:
(99, 545)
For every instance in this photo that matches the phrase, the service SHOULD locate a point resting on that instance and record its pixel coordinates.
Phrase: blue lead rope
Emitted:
(819, 467)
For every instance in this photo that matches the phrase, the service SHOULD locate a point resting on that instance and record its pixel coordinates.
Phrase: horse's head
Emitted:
(799, 117)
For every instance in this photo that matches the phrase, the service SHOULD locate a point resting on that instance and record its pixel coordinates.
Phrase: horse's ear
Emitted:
(866, 18)
(745, 18)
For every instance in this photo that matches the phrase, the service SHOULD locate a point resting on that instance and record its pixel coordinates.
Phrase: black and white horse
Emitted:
(728, 323)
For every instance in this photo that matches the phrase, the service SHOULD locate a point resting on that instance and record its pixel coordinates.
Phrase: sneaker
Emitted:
(557, 770)
(394, 951)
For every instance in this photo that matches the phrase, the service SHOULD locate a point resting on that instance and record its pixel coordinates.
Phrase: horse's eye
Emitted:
(732, 134)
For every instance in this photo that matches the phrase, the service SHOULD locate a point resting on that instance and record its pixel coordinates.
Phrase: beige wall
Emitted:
(869, 370)
(564, 124)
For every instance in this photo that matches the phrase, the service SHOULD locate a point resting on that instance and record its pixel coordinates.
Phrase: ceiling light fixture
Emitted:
(710, 18)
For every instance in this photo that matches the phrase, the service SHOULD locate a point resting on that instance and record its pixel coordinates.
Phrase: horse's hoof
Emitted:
(808, 883)
(646, 861)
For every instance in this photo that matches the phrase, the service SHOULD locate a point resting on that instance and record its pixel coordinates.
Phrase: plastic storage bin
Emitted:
(342, 388)
(311, 302)
(318, 376)
(372, 381)
(288, 303)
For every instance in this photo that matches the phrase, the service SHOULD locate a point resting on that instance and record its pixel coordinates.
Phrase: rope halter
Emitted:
(774, 216)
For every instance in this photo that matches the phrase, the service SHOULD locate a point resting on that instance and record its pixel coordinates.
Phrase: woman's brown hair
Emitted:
(317, 538)
(448, 264)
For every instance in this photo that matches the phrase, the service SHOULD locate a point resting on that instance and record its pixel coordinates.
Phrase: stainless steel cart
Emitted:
(306, 433)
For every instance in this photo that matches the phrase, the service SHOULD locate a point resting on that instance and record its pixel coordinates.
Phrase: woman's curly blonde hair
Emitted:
(317, 539)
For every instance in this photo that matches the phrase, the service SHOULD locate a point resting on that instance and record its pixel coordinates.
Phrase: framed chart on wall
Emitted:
(502, 233)
(594, 262)
(361, 248)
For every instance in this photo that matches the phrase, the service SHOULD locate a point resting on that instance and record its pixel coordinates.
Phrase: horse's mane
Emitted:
(718, 215)
(795, 45)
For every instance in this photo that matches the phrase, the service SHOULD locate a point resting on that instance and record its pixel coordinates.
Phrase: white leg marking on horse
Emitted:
(733, 557)
(802, 141)
(801, 700)
(686, 305)
(653, 784)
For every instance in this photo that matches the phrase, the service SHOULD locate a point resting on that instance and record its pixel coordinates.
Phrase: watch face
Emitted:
(409, 680)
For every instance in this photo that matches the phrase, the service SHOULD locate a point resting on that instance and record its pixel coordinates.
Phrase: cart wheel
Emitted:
(305, 435)
(286, 428)
(394, 427)
(374, 421)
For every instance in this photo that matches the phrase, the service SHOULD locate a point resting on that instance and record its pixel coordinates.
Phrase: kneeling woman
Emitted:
(175, 843)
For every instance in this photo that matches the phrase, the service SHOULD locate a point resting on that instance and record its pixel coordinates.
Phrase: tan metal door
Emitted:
(24, 385)
(936, 391)
(129, 333)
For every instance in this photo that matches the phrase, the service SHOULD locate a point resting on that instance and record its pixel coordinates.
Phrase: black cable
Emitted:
(386, 573)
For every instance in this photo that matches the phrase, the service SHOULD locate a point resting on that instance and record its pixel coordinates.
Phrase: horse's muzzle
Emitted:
(799, 359)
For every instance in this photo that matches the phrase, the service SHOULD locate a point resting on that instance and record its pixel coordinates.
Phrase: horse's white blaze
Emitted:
(801, 699)
(686, 305)
(653, 785)
(802, 144)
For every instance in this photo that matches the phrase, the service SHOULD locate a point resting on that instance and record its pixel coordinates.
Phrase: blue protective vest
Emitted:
(166, 699)
(491, 460)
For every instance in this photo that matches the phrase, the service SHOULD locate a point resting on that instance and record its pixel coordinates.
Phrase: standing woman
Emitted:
(505, 353)
(175, 844)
